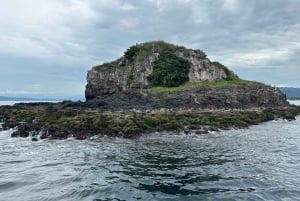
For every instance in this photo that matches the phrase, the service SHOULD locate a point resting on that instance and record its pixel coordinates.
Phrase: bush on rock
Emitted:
(170, 71)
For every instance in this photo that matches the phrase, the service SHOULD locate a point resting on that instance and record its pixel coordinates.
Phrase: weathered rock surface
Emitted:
(124, 84)
(244, 96)
(122, 74)
(23, 131)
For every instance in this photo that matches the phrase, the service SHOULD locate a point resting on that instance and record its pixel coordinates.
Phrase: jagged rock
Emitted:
(245, 96)
(15, 134)
(44, 134)
(122, 62)
(22, 131)
(109, 85)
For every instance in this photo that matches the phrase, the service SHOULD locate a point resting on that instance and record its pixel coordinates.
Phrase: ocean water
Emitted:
(27, 101)
(259, 163)
(295, 102)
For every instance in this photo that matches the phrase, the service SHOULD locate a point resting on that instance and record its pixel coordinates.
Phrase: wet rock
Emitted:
(34, 139)
(58, 135)
(15, 134)
(225, 128)
(212, 128)
(44, 134)
(200, 132)
(22, 131)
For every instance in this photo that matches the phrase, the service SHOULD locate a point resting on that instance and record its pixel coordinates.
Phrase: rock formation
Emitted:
(117, 85)
(123, 74)
(129, 96)
(243, 96)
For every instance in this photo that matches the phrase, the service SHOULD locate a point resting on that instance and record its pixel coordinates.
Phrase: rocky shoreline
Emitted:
(154, 86)
(60, 120)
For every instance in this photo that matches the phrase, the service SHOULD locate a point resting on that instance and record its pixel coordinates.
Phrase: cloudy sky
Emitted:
(47, 46)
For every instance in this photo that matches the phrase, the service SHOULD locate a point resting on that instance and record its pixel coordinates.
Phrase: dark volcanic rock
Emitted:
(23, 131)
(250, 95)
(15, 134)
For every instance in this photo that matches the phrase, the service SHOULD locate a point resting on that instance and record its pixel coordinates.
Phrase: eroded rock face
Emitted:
(245, 96)
(117, 85)
(122, 74)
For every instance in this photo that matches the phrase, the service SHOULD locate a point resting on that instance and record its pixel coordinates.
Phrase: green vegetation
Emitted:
(61, 123)
(145, 49)
(106, 66)
(212, 84)
(162, 46)
(131, 52)
(230, 74)
(169, 71)
(141, 51)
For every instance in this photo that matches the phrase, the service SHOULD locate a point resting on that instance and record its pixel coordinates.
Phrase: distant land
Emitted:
(7, 98)
(291, 92)
(41, 98)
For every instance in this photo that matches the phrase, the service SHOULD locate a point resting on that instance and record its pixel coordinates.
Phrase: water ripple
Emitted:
(260, 163)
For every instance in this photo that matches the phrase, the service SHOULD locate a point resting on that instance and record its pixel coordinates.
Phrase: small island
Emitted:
(154, 86)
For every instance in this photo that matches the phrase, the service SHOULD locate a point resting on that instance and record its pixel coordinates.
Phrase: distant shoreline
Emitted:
(12, 102)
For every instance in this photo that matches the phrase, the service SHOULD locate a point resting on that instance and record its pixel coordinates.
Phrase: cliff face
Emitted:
(244, 96)
(123, 74)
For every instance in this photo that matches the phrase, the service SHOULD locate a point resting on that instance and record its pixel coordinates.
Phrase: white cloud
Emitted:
(45, 29)
(230, 5)
(262, 49)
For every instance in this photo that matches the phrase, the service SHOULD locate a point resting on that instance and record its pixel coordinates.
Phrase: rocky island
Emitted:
(154, 86)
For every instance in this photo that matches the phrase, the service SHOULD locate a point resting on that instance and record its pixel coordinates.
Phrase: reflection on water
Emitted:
(260, 163)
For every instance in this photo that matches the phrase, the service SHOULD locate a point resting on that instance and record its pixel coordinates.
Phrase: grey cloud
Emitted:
(72, 35)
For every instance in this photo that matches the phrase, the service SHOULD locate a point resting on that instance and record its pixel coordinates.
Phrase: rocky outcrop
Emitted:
(124, 74)
(242, 96)
(61, 120)
(125, 84)
(122, 102)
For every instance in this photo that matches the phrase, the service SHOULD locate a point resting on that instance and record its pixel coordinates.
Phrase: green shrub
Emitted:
(229, 73)
(131, 52)
(170, 71)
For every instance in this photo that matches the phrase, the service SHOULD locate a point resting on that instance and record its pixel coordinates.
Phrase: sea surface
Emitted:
(259, 163)
(27, 101)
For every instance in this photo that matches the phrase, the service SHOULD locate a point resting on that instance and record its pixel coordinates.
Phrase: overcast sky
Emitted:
(47, 46)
